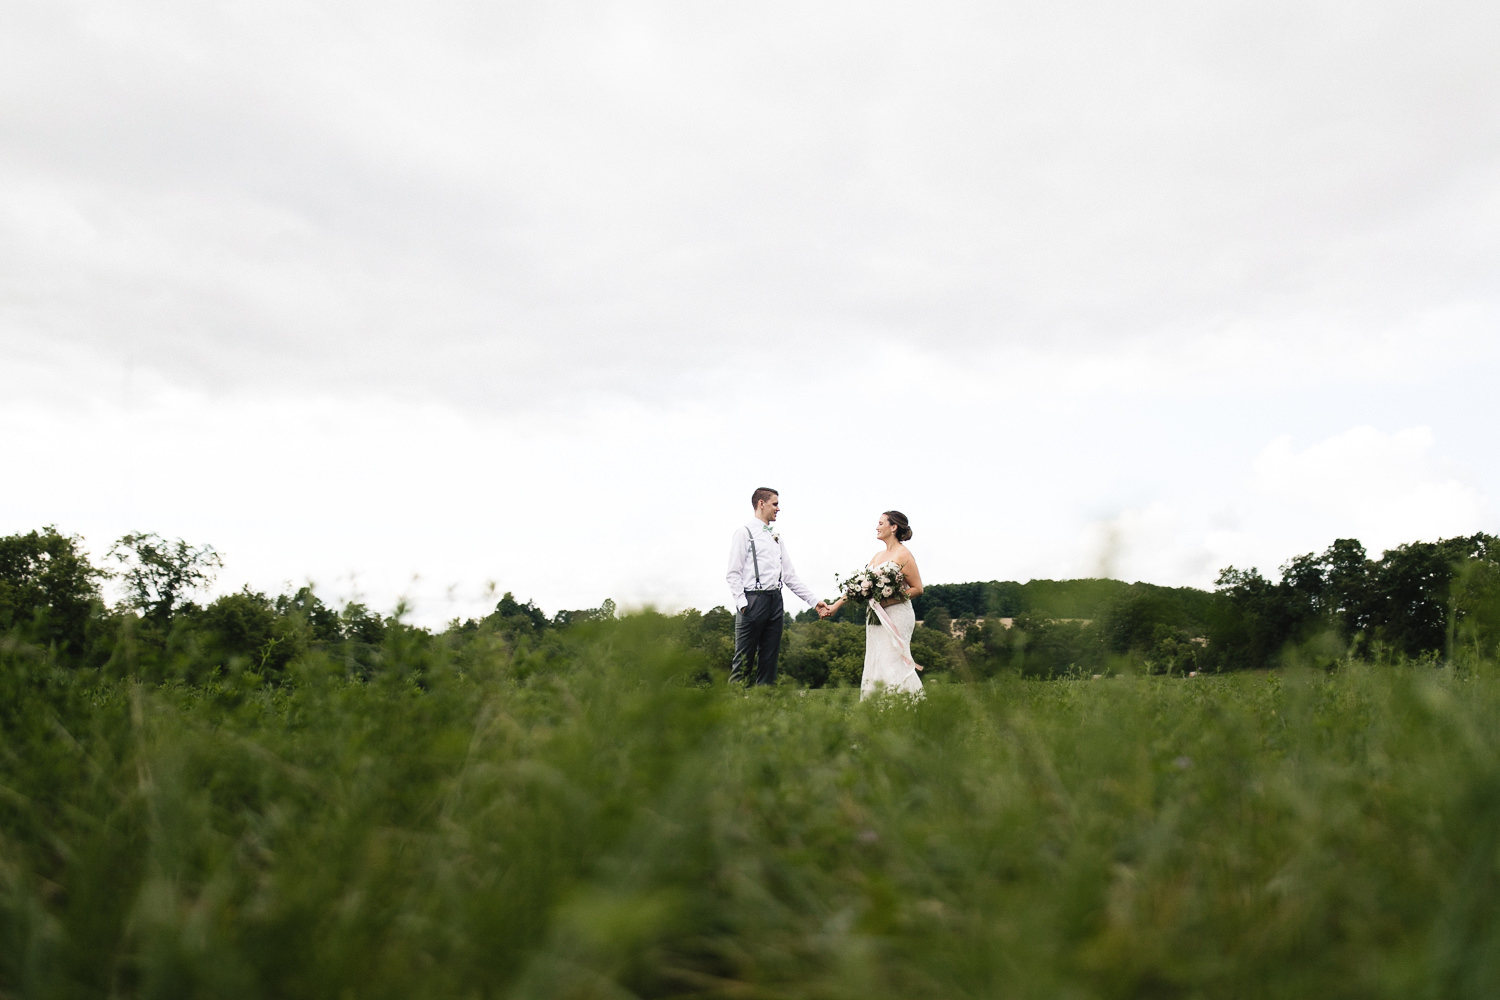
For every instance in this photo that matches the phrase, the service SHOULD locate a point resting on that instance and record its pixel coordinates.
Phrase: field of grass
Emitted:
(587, 821)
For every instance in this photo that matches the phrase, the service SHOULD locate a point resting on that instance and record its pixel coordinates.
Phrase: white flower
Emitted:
(864, 586)
(886, 591)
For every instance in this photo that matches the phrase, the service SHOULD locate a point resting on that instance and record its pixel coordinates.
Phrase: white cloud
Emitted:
(356, 196)
(476, 291)
(1156, 543)
(1383, 488)
(1006, 472)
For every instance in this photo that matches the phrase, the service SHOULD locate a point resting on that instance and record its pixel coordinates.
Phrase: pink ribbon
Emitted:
(902, 646)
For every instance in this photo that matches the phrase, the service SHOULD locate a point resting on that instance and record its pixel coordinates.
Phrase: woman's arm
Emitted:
(913, 577)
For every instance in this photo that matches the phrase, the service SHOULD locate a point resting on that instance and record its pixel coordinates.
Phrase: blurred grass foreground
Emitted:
(584, 819)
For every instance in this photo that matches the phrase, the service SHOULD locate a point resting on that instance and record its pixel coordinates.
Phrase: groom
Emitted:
(758, 568)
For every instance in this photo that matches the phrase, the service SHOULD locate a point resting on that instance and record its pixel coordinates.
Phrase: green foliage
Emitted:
(1415, 600)
(249, 628)
(1053, 648)
(159, 574)
(359, 624)
(1044, 599)
(937, 618)
(568, 815)
(1475, 620)
(1141, 619)
(48, 589)
(989, 649)
(1420, 599)
(825, 654)
(322, 623)
(518, 619)
(935, 649)
(1413, 584)
(712, 634)
(1067, 626)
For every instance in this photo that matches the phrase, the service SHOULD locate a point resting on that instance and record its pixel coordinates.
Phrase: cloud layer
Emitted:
(465, 201)
(1135, 286)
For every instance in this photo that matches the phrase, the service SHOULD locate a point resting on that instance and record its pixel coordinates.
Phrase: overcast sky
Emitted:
(410, 299)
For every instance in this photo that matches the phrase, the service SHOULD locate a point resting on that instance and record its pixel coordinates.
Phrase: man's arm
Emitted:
(736, 574)
(793, 582)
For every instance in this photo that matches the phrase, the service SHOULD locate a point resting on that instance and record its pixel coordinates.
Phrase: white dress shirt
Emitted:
(775, 565)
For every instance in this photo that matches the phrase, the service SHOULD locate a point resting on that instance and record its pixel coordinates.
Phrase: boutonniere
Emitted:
(776, 537)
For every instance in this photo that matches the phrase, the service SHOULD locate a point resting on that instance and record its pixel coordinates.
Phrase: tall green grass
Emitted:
(584, 821)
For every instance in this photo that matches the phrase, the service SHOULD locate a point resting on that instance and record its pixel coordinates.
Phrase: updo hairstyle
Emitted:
(899, 522)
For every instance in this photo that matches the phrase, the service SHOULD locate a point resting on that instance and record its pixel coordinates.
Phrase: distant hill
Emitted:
(1087, 598)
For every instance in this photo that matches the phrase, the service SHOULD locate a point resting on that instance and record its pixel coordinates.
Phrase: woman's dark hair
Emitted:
(899, 522)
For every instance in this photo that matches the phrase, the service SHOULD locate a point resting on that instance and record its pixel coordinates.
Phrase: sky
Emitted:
(437, 301)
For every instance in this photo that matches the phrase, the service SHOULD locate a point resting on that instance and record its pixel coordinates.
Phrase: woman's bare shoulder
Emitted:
(900, 555)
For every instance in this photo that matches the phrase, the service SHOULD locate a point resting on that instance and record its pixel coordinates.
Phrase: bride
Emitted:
(888, 662)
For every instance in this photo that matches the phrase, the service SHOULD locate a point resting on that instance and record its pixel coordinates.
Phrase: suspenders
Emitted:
(750, 540)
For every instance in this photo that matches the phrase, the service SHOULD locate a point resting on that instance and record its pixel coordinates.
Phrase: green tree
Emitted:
(1411, 600)
(1250, 623)
(361, 625)
(1159, 629)
(712, 633)
(159, 574)
(603, 613)
(935, 649)
(1044, 647)
(1476, 607)
(1346, 600)
(988, 650)
(247, 626)
(48, 589)
(939, 620)
(364, 633)
(956, 599)
(1004, 599)
(824, 653)
(1411, 590)
(322, 622)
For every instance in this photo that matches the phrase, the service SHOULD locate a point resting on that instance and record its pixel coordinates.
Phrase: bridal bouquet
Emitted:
(874, 583)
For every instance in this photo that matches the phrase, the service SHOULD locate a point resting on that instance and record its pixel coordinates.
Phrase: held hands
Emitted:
(823, 609)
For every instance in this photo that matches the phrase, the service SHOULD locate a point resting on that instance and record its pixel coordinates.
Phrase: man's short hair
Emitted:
(764, 493)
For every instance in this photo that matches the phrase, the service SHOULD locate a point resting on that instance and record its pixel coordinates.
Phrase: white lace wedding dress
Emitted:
(887, 658)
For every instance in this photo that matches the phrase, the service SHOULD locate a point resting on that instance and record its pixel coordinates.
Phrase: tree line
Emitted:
(51, 602)
(1420, 600)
